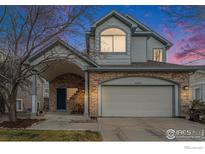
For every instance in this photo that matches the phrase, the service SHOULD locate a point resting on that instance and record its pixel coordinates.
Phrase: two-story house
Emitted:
(123, 74)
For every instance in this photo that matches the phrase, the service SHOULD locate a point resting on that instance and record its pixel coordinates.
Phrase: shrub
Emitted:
(197, 110)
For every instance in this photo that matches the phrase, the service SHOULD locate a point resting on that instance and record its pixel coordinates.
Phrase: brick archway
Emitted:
(69, 81)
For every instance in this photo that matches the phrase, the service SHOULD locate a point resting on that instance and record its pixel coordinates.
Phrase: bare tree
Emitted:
(191, 19)
(23, 30)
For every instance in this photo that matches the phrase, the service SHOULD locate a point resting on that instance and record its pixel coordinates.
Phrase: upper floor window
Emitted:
(157, 54)
(113, 40)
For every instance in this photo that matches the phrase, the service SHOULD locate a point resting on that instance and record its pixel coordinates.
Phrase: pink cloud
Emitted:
(192, 46)
(189, 49)
(168, 33)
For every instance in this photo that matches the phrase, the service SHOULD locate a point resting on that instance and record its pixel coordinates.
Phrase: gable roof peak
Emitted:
(133, 23)
(113, 13)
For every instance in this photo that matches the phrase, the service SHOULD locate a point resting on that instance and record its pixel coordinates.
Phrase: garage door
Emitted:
(136, 101)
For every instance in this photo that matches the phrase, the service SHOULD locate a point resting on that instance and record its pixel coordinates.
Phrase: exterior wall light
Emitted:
(186, 88)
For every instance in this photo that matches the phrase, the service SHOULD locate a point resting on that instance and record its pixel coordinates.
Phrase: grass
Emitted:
(48, 135)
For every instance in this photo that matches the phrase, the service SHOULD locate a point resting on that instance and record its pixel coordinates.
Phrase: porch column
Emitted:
(86, 96)
(34, 95)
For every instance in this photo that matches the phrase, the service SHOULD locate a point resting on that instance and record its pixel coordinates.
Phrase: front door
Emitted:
(61, 99)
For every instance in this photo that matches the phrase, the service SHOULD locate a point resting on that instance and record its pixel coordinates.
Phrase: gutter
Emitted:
(148, 69)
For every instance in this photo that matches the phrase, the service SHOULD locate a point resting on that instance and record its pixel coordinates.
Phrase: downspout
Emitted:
(147, 48)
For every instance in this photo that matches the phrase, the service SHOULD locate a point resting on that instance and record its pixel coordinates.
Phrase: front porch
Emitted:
(67, 94)
(68, 79)
(68, 89)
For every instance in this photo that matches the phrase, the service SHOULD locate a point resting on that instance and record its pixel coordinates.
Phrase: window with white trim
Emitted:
(113, 40)
(197, 93)
(19, 105)
(157, 54)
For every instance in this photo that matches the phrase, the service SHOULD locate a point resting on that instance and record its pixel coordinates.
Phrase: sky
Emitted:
(187, 40)
(156, 18)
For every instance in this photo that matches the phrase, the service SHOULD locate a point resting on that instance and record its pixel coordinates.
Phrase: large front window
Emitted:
(113, 40)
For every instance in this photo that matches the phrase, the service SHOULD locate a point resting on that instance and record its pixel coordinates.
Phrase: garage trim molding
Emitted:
(142, 81)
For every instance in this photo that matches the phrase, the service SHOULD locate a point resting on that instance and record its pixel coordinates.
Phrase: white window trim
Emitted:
(197, 87)
(103, 35)
(200, 85)
(21, 100)
(154, 54)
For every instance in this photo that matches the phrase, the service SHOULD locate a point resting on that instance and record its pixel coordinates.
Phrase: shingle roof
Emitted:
(148, 66)
(55, 42)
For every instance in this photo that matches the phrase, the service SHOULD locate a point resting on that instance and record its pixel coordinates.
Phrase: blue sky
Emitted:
(184, 40)
(156, 18)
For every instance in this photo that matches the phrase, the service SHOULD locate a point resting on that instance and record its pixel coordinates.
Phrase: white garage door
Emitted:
(136, 101)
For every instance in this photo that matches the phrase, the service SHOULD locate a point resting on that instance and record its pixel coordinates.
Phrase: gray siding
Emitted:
(112, 58)
(138, 49)
(25, 95)
(91, 44)
(151, 44)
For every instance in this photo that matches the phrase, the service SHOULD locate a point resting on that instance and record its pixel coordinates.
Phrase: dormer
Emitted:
(118, 39)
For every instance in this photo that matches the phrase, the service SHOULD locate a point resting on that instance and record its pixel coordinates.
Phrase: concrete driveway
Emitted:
(146, 129)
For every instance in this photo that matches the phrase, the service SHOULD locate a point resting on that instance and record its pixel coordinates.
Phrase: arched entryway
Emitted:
(65, 69)
(66, 86)
(67, 93)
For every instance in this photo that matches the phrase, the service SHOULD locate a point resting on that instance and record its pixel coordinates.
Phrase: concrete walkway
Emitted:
(144, 129)
(64, 121)
(120, 129)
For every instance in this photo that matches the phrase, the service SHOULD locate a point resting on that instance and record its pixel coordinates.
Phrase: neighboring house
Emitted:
(24, 99)
(197, 84)
(124, 74)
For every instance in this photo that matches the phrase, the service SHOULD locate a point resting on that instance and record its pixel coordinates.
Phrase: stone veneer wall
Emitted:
(76, 102)
(64, 81)
(197, 80)
(95, 78)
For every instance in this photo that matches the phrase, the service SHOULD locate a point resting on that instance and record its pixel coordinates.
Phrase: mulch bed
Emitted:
(20, 123)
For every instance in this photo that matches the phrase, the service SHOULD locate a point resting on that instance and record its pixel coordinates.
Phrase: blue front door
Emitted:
(61, 99)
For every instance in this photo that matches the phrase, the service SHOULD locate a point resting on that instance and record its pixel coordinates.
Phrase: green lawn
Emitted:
(48, 135)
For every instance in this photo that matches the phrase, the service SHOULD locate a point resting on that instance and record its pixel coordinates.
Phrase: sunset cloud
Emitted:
(168, 33)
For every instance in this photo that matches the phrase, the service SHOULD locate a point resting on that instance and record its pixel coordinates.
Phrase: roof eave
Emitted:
(143, 69)
(147, 29)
